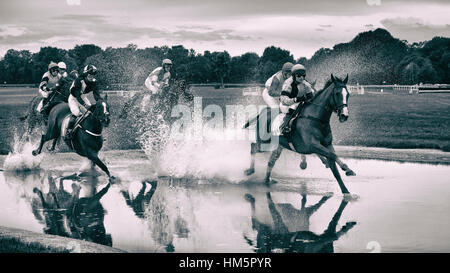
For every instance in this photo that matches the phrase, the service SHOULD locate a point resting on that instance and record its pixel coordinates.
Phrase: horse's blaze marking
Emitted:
(104, 108)
(344, 101)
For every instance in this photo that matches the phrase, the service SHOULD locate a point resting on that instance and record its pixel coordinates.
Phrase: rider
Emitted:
(159, 78)
(78, 101)
(48, 83)
(60, 93)
(295, 90)
(272, 91)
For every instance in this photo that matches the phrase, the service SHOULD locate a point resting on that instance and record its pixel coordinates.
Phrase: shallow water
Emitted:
(199, 203)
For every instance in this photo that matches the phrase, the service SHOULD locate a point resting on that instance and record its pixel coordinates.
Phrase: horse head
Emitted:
(340, 97)
(101, 111)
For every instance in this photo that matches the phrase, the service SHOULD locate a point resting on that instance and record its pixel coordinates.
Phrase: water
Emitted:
(200, 204)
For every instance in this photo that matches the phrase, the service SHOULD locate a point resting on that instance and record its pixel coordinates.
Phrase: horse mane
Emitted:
(327, 84)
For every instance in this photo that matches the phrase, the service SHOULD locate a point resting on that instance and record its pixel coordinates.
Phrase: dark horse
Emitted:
(158, 104)
(295, 237)
(150, 115)
(311, 132)
(87, 140)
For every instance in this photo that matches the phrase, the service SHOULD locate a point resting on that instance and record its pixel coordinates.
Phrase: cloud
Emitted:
(415, 29)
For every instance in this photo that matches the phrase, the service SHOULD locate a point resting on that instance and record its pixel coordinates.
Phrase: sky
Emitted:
(237, 26)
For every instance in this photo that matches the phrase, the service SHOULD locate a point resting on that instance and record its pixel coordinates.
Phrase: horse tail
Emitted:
(250, 121)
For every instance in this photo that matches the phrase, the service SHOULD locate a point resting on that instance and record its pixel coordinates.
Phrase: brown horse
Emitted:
(311, 132)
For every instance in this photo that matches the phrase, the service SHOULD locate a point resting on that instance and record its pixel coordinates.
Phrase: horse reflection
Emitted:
(68, 215)
(156, 210)
(297, 238)
(142, 199)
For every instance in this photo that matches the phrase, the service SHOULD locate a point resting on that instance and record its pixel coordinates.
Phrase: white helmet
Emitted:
(167, 61)
(62, 65)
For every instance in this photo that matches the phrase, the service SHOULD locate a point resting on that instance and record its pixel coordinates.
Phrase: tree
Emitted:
(272, 61)
(81, 52)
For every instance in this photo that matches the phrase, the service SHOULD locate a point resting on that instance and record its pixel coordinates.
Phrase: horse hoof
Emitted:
(350, 173)
(249, 198)
(303, 165)
(269, 182)
(349, 197)
(35, 153)
(249, 171)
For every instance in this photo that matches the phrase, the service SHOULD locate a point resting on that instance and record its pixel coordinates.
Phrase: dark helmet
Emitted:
(299, 69)
(89, 69)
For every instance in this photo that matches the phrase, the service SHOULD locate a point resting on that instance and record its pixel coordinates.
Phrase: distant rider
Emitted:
(48, 83)
(60, 93)
(78, 102)
(295, 90)
(159, 78)
(273, 87)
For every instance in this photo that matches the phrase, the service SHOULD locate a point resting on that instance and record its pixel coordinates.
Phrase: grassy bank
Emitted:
(376, 120)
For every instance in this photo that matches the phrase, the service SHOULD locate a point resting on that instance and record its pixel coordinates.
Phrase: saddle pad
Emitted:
(275, 128)
(64, 125)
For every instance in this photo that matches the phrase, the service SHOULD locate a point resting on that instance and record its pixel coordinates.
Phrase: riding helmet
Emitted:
(89, 69)
(167, 61)
(287, 67)
(62, 65)
(299, 69)
(52, 65)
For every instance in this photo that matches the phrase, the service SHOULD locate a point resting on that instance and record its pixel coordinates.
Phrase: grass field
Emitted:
(376, 120)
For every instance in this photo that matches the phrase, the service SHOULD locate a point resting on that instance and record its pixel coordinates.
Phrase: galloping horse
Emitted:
(162, 105)
(150, 115)
(311, 132)
(87, 140)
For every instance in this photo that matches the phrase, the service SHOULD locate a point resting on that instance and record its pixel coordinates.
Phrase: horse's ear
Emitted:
(105, 97)
(333, 78)
(346, 79)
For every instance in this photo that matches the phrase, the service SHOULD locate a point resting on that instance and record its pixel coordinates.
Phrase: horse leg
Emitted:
(253, 151)
(53, 145)
(273, 158)
(249, 198)
(303, 164)
(41, 144)
(278, 223)
(344, 167)
(331, 157)
(99, 163)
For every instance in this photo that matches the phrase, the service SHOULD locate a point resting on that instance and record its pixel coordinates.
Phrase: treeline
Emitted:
(373, 57)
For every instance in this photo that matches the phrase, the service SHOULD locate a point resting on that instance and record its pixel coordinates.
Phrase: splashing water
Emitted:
(21, 158)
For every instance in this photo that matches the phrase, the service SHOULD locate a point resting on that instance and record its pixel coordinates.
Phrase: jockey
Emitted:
(272, 91)
(61, 91)
(78, 101)
(62, 69)
(48, 83)
(159, 78)
(295, 90)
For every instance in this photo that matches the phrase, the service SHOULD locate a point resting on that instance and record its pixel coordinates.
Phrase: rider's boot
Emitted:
(285, 127)
(69, 133)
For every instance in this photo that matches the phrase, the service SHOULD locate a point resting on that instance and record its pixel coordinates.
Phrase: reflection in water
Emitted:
(66, 214)
(300, 240)
(142, 200)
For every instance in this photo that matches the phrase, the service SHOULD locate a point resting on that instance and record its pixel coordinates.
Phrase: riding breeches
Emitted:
(285, 109)
(75, 106)
(272, 102)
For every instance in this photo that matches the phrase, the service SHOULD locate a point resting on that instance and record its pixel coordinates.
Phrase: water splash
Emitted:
(21, 158)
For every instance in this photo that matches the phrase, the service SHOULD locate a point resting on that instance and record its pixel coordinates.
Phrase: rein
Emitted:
(86, 130)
